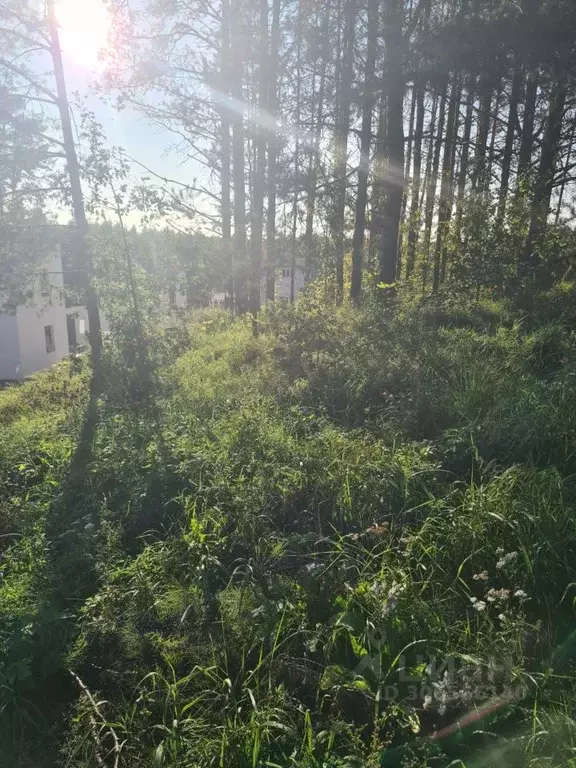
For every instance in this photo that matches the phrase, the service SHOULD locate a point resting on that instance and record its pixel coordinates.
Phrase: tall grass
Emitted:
(323, 546)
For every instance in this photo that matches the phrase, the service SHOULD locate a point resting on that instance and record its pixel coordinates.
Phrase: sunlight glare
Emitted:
(84, 27)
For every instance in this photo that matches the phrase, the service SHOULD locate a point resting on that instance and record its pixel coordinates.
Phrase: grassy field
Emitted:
(347, 541)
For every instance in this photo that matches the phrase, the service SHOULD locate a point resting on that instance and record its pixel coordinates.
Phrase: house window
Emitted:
(82, 326)
(49, 338)
(286, 273)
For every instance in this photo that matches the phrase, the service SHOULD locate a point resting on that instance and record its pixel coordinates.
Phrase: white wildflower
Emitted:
(395, 590)
(392, 598)
(506, 560)
(497, 595)
(481, 576)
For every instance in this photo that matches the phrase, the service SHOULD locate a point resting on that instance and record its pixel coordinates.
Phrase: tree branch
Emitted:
(25, 76)
(414, 20)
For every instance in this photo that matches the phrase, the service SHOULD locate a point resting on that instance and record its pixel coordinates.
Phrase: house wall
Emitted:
(10, 364)
(81, 313)
(31, 323)
(283, 284)
(22, 335)
(48, 309)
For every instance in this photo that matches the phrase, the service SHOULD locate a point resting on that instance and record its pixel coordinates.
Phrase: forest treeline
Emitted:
(431, 140)
(383, 140)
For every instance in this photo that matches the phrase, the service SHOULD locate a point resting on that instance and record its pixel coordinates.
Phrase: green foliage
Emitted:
(318, 546)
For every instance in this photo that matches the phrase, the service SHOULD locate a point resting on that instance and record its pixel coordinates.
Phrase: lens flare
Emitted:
(84, 27)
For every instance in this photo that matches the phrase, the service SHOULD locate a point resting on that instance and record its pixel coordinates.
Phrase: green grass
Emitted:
(316, 547)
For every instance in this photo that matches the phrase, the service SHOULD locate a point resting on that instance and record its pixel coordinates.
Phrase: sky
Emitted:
(83, 29)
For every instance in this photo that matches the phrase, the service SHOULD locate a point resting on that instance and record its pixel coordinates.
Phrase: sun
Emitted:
(84, 27)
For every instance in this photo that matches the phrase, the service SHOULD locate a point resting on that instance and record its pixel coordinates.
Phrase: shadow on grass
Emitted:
(33, 706)
(43, 701)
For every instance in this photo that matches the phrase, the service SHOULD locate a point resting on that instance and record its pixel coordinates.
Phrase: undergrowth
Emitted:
(321, 545)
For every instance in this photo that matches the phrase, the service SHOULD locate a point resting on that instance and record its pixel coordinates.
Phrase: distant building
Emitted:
(283, 284)
(44, 330)
(174, 299)
(50, 326)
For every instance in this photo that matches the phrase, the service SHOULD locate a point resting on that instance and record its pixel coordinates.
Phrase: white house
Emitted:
(43, 331)
(284, 281)
(46, 329)
(283, 284)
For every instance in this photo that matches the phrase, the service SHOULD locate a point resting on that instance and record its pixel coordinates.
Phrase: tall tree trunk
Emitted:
(445, 206)
(341, 151)
(365, 141)
(414, 214)
(540, 207)
(87, 266)
(465, 155)
(238, 164)
(315, 154)
(429, 149)
(410, 139)
(527, 141)
(225, 178)
(493, 133)
(407, 173)
(394, 179)
(433, 183)
(479, 175)
(377, 197)
(509, 144)
(272, 155)
(259, 183)
(451, 190)
(566, 171)
(294, 244)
